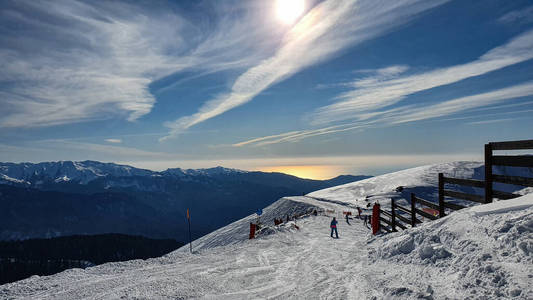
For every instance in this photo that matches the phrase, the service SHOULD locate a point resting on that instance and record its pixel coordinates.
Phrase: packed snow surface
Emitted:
(483, 252)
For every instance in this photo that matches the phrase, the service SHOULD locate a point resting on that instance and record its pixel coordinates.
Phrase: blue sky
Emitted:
(347, 87)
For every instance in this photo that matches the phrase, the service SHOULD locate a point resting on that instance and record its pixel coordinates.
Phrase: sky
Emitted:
(306, 87)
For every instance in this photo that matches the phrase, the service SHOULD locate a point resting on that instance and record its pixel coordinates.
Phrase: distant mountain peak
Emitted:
(205, 172)
(220, 170)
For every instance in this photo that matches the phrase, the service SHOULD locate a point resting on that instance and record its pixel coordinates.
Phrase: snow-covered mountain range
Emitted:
(60, 198)
(480, 252)
(86, 171)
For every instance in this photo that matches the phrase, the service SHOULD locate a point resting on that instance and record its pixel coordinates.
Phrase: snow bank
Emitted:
(238, 231)
(484, 251)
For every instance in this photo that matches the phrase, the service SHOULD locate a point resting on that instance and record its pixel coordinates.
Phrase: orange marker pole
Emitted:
(189, 221)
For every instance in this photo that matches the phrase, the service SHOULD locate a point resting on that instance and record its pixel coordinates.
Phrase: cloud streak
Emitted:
(523, 16)
(114, 141)
(457, 105)
(490, 121)
(72, 61)
(407, 114)
(378, 92)
(323, 32)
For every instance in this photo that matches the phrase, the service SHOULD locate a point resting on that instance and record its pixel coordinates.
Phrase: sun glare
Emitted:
(311, 172)
(288, 11)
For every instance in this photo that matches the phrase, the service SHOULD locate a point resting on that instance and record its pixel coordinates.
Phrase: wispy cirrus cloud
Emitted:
(114, 141)
(78, 61)
(366, 105)
(60, 149)
(295, 136)
(378, 92)
(459, 104)
(407, 114)
(72, 61)
(523, 16)
(490, 121)
(323, 32)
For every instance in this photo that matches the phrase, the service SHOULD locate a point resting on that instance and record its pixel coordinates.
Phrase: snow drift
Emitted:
(481, 252)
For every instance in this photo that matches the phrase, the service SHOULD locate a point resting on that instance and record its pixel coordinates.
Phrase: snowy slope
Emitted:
(238, 231)
(422, 181)
(439, 259)
(481, 252)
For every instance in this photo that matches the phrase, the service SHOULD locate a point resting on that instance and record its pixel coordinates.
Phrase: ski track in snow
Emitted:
(280, 266)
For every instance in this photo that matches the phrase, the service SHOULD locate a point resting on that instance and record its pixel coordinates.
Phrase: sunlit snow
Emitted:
(484, 251)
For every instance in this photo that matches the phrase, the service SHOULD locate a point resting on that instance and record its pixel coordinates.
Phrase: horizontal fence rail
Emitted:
(467, 182)
(504, 195)
(425, 214)
(516, 180)
(403, 208)
(464, 196)
(385, 213)
(525, 161)
(453, 206)
(427, 203)
(404, 219)
(512, 145)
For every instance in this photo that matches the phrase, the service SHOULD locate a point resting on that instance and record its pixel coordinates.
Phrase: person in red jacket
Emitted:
(334, 227)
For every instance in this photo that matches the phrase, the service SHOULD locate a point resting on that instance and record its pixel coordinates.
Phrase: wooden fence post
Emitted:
(413, 213)
(393, 214)
(488, 173)
(441, 195)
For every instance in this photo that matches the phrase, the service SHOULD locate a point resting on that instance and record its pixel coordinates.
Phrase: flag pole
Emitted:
(189, 221)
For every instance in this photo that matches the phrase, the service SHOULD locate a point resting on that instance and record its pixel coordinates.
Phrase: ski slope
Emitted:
(480, 252)
(289, 263)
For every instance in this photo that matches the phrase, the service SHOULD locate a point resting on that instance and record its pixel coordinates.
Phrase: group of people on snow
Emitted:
(366, 219)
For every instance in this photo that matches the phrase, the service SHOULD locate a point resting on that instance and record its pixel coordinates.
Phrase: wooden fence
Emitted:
(402, 217)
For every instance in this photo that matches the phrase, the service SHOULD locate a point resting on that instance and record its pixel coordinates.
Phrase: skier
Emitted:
(359, 212)
(366, 220)
(347, 221)
(334, 227)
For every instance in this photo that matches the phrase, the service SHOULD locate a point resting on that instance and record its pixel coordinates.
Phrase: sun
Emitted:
(288, 11)
(319, 172)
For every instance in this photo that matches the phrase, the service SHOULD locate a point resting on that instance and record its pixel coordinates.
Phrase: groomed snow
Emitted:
(481, 252)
